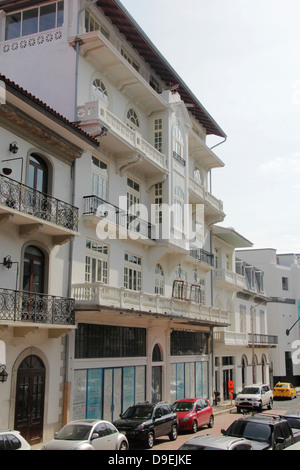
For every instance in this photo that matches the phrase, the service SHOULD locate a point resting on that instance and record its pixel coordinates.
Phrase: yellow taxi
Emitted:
(284, 390)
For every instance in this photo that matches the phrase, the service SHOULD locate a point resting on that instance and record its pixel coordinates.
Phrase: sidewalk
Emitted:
(224, 407)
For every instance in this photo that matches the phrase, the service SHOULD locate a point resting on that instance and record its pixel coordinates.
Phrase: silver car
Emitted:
(212, 442)
(12, 440)
(88, 434)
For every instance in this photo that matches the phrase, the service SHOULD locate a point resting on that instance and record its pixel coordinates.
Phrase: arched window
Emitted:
(133, 120)
(38, 173)
(159, 280)
(156, 354)
(99, 91)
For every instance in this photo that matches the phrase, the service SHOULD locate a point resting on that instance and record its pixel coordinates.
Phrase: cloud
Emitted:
(288, 164)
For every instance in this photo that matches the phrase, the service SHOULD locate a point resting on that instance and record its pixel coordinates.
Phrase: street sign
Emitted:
(230, 386)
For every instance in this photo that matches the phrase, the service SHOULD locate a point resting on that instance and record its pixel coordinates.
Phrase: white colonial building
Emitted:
(282, 273)
(38, 221)
(151, 273)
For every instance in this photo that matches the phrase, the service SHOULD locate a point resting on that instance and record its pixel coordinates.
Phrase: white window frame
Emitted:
(99, 178)
(96, 262)
(159, 287)
(158, 134)
(132, 272)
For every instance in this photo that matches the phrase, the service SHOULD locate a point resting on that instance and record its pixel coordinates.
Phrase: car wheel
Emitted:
(150, 440)
(123, 445)
(174, 434)
(270, 405)
(211, 422)
(194, 426)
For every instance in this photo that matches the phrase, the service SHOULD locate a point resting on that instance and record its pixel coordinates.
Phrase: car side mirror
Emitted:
(223, 431)
(279, 440)
(95, 435)
(157, 415)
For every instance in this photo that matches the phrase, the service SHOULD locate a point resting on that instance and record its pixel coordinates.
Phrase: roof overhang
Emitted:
(230, 236)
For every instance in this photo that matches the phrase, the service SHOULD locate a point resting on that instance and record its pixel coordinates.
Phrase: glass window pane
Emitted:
(30, 22)
(60, 14)
(48, 17)
(13, 26)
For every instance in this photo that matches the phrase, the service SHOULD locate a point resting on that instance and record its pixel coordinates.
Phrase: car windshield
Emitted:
(250, 391)
(74, 432)
(282, 386)
(183, 406)
(252, 431)
(138, 412)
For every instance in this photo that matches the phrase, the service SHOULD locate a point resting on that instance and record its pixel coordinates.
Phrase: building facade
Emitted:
(282, 287)
(38, 222)
(151, 272)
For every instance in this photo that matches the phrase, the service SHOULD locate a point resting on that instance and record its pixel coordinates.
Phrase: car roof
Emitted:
(189, 399)
(90, 422)
(270, 419)
(222, 442)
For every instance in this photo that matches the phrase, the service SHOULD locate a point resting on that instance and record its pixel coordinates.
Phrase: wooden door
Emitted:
(30, 399)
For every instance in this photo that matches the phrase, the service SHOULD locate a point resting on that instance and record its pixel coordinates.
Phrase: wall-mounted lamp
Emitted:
(3, 374)
(7, 262)
(13, 148)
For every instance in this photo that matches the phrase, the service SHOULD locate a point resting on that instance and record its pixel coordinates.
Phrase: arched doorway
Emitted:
(30, 399)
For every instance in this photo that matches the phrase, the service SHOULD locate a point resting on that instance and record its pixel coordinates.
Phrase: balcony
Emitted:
(214, 211)
(99, 296)
(26, 312)
(119, 223)
(205, 258)
(262, 341)
(34, 211)
(123, 140)
(225, 278)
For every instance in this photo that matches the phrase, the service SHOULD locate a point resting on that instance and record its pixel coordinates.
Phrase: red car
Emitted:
(193, 414)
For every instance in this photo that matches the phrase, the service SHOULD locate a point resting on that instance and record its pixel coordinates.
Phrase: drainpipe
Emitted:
(77, 56)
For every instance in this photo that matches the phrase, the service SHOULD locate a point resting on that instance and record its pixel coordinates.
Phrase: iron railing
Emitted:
(203, 256)
(20, 306)
(30, 201)
(94, 205)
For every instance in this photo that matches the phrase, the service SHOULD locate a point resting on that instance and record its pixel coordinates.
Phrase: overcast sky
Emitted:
(242, 60)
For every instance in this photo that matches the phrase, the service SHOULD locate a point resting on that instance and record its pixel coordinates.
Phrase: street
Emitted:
(222, 421)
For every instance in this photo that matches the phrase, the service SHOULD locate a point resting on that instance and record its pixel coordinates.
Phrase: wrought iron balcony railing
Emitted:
(19, 306)
(203, 256)
(94, 205)
(30, 201)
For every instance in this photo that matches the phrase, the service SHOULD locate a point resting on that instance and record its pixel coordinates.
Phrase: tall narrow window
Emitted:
(158, 201)
(133, 120)
(38, 174)
(99, 181)
(178, 145)
(96, 262)
(178, 208)
(130, 59)
(159, 280)
(93, 24)
(133, 272)
(34, 270)
(158, 134)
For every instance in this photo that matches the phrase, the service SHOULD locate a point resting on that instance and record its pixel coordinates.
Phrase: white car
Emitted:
(88, 434)
(12, 440)
(254, 397)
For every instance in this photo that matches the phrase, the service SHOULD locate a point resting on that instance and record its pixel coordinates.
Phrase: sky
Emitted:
(242, 61)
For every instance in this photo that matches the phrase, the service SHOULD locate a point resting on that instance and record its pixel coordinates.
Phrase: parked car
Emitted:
(284, 390)
(211, 442)
(193, 413)
(88, 434)
(254, 397)
(294, 421)
(265, 432)
(147, 421)
(12, 440)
